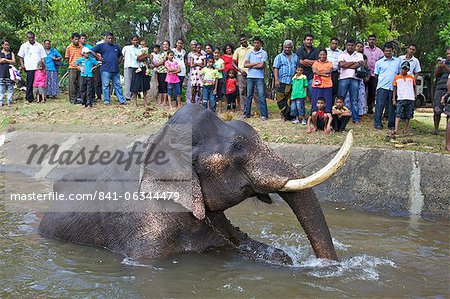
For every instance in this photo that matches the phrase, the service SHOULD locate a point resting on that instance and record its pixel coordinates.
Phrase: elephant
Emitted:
(229, 163)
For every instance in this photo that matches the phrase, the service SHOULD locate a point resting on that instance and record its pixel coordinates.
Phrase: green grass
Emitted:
(58, 115)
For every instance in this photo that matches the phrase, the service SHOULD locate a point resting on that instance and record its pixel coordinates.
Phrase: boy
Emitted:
(341, 115)
(298, 96)
(209, 79)
(320, 119)
(86, 64)
(404, 96)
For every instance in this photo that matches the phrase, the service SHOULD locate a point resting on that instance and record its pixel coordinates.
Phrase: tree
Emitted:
(171, 22)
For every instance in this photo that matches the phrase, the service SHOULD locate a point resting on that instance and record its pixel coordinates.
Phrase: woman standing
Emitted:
(162, 73)
(140, 82)
(52, 62)
(7, 58)
(322, 85)
(227, 57)
(196, 63)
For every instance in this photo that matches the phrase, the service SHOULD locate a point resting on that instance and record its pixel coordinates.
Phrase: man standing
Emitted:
(373, 53)
(30, 53)
(385, 69)
(255, 61)
(307, 55)
(238, 63)
(333, 54)
(414, 63)
(73, 52)
(130, 64)
(283, 71)
(442, 73)
(348, 82)
(111, 57)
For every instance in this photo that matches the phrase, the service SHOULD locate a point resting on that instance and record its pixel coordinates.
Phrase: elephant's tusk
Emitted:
(325, 173)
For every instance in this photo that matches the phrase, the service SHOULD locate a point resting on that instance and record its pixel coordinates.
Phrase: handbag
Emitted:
(317, 81)
(361, 72)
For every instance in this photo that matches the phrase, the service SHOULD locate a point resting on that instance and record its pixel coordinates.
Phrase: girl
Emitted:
(231, 90)
(197, 63)
(173, 68)
(209, 52)
(40, 83)
(7, 58)
(162, 73)
(219, 65)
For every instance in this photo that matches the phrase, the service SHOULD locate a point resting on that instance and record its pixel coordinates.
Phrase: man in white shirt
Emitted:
(333, 54)
(414, 63)
(30, 54)
(130, 64)
(349, 61)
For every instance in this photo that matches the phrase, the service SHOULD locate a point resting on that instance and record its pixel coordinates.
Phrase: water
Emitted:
(380, 257)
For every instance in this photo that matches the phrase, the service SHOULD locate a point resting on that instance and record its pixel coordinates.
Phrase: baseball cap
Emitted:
(85, 50)
(405, 64)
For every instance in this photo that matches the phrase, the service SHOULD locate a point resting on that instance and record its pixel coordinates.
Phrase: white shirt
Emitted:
(414, 64)
(31, 54)
(130, 55)
(405, 88)
(333, 56)
(349, 73)
(179, 57)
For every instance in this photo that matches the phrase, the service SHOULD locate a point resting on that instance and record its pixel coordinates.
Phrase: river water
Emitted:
(380, 257)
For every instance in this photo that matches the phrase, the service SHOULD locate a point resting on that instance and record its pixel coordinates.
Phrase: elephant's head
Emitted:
(230, 163)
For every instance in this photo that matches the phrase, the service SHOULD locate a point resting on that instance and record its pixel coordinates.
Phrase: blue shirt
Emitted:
(256, 57)
(285, 66)
(111, 55)
(49, 62)
(86, 66)
(386, 69)
(333, 56)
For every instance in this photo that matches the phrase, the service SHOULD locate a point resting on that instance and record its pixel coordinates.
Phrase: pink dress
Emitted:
(196, 79)
(40, 79)
(171, 78)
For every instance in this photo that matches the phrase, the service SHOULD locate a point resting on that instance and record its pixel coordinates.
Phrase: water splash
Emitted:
(131, 262)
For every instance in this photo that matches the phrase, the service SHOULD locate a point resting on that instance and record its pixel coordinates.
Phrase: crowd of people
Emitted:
(342, 85)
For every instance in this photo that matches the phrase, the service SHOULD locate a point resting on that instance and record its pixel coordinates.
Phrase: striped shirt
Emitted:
(286, 67)
(72, 54)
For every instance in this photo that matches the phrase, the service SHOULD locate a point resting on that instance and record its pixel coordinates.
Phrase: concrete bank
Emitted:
(403, 183)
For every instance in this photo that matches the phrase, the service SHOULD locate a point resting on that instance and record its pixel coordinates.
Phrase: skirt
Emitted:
(52, 83)
(140, 81)
(162, 84)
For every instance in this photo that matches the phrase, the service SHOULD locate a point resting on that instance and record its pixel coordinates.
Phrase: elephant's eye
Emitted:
(238, 145)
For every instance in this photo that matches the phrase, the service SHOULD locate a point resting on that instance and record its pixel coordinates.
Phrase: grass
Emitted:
(58, 115)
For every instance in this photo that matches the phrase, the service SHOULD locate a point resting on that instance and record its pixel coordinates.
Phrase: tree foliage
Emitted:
(423, 22)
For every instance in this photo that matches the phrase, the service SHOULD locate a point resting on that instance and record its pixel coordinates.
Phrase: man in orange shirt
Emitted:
(73, 52)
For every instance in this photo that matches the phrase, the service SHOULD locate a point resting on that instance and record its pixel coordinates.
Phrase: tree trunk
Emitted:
(171, 25)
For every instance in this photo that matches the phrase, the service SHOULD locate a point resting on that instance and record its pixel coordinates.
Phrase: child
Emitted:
(40, 83)
(219, 65)
(404, 96)
(86, 64)
(209, 79)
(173, 88)
(154, 58)
(298, 96)
(320, 119)
(231, 90)
(144, 51)
(341, 115)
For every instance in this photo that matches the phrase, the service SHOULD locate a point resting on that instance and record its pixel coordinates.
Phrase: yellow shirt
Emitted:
(239, 55)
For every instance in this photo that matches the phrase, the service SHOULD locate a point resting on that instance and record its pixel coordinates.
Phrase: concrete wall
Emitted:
(388, 181)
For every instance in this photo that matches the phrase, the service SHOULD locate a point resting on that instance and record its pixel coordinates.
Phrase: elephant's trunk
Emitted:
(306, 207)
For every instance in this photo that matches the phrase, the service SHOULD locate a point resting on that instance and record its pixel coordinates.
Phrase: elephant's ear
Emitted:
(173, 173)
